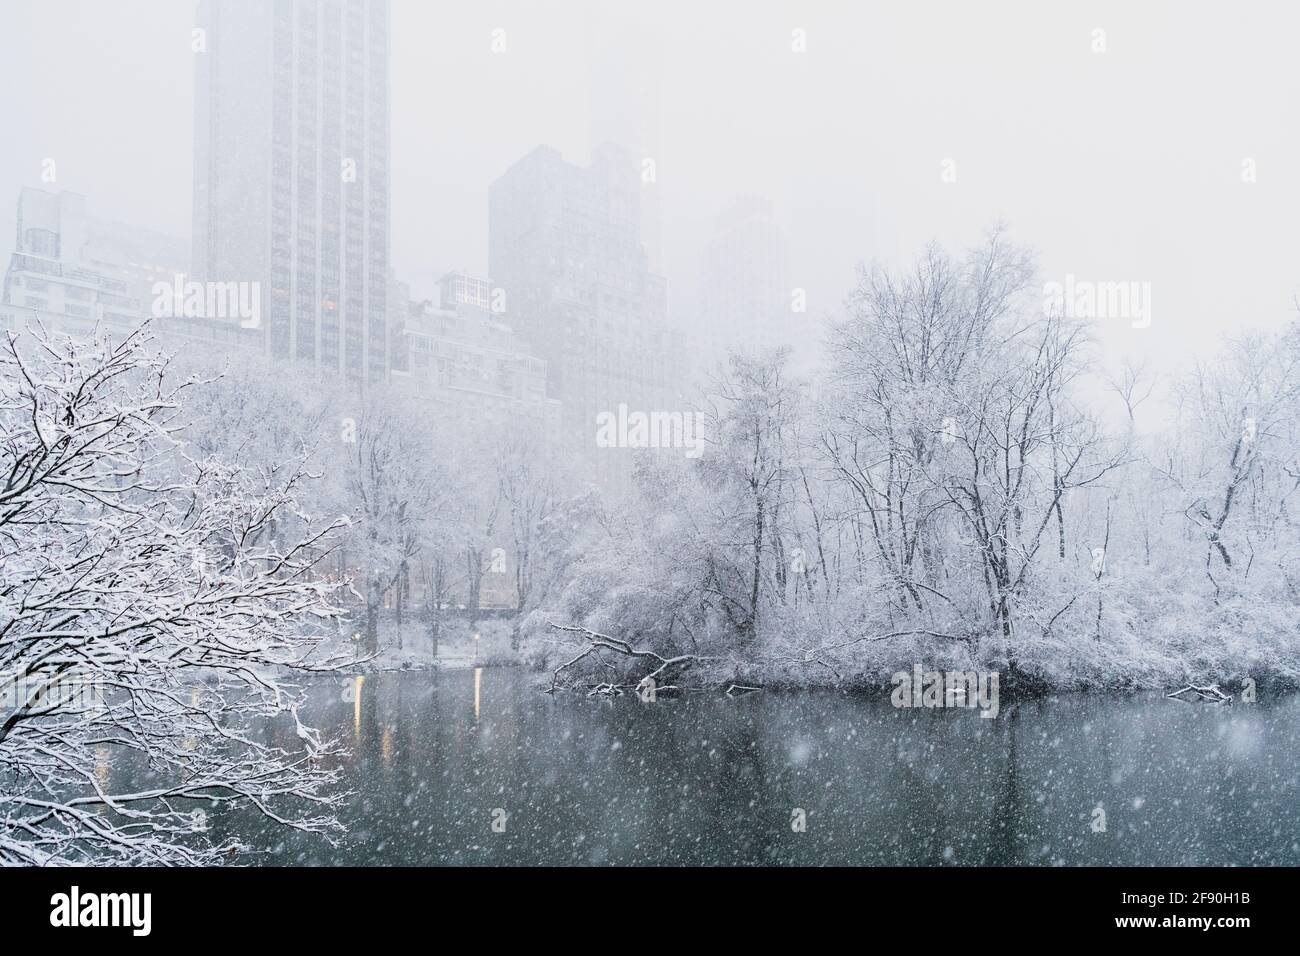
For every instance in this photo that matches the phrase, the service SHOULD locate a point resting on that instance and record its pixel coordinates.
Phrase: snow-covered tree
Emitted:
(751, 413)
(151, 605)
(392, 488)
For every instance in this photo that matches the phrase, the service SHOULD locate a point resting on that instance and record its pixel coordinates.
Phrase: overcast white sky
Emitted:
(1124, 165)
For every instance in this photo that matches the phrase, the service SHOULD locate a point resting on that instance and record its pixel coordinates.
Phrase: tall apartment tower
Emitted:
(291, 173)
(565, 247)
(744, 302)
(626, 69)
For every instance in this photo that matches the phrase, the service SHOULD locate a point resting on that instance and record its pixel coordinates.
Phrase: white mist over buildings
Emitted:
(846, 138)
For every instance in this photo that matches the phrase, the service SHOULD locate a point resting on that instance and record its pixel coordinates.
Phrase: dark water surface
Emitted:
(704, 779)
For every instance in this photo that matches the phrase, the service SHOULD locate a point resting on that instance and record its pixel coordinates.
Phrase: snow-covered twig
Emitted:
(151, 606)
(1211, 694)
(599, 642)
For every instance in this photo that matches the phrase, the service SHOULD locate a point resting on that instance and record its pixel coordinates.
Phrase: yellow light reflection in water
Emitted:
(101, 763)
(478, 680)
(356, 704)
(386, 747)
(192, 742)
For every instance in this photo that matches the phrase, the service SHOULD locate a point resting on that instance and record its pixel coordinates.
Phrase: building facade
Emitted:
(76, 272)
(473, 369)
(744, 301)
(567, 261)
(291, 173)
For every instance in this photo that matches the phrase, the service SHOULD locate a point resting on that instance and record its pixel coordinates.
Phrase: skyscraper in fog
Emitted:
(291, 172)
(626, 78)
(744, 302)
(565, 246)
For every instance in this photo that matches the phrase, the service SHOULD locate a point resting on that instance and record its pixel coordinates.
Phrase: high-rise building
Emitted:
(565, 250)
(626, 69)
(744, 303)
(291, 173)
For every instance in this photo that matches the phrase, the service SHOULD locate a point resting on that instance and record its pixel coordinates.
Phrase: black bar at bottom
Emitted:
(333, 906)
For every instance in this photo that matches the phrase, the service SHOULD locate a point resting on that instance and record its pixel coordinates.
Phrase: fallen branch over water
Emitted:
(1212, 694)
(661, 666)
(603, 642)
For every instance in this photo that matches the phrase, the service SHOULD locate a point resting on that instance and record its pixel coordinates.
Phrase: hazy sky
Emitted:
(1123, 165)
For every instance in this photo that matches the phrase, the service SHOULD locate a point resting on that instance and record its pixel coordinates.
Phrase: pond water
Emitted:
(437, 758)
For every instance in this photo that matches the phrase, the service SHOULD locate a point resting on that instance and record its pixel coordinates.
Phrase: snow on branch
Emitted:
(597, 642)
(1210, 694)
(150, 607)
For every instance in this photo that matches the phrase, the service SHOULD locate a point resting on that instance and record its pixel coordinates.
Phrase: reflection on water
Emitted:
(357, 683)
(711, 780)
